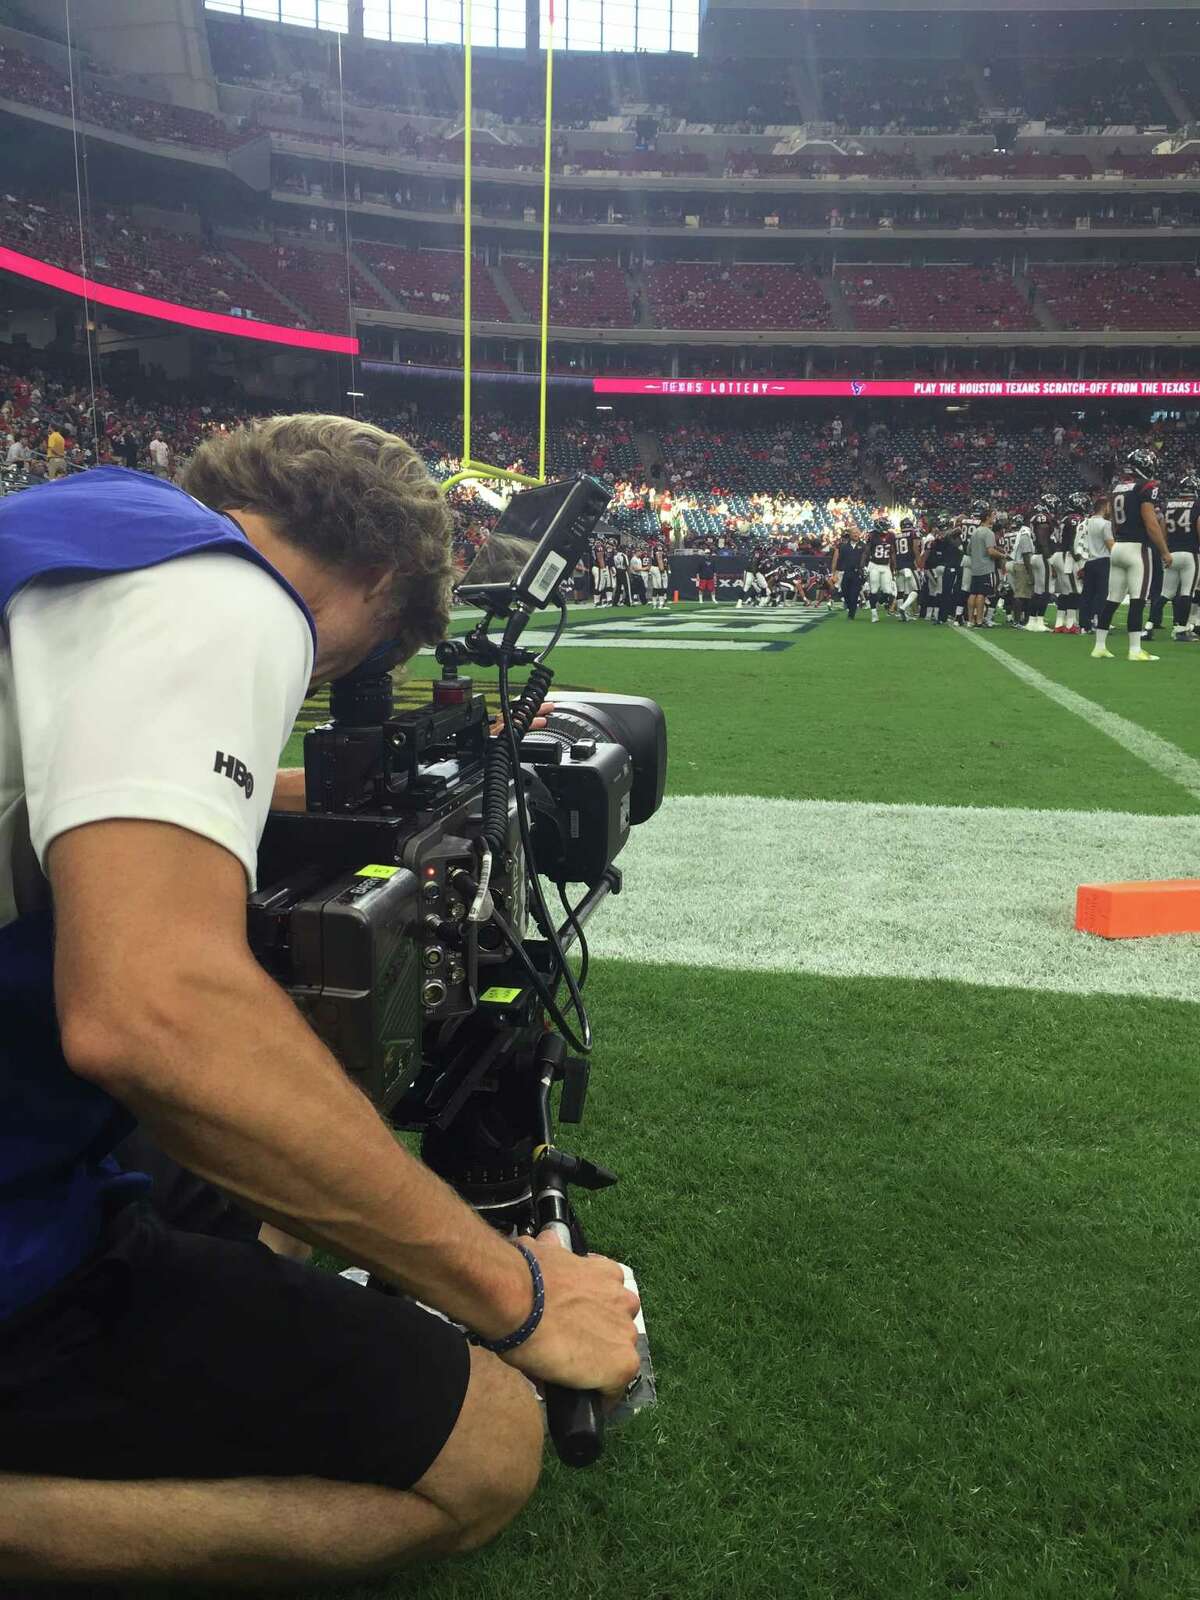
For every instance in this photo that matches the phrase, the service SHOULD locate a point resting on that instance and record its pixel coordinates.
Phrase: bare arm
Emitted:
(161, 1003)
(288, 794)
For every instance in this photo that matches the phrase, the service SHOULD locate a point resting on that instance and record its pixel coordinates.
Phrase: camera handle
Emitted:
(575, 1416)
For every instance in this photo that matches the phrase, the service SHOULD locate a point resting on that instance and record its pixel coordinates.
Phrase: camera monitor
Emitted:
(540, 536)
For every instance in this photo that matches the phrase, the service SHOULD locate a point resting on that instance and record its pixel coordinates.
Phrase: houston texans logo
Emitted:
(857, 386)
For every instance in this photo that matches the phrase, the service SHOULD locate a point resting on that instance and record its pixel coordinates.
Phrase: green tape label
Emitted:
(377, 872)
(499, 997)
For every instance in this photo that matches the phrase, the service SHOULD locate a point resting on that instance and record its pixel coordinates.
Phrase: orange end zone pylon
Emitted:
(1138, 910)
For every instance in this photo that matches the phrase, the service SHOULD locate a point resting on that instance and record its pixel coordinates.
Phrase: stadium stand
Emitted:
(1124, 297)
(732, 484)
(1073, 95)
(699, 294)
(27, 79)
(314, 280)
(583, 294)
(1012, 461)
(1182, 164)
(893, 97)
(934, 297)
(997, 165)
(151, 261)
(821, 161)
(431, 281)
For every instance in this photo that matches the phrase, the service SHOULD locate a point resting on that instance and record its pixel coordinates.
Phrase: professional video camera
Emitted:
(404, 911)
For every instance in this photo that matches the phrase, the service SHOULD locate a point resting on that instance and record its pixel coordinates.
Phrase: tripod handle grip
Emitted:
(576, 1421)
(575, 1417)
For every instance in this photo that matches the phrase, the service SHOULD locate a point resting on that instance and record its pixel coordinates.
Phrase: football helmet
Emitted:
(1142, 462)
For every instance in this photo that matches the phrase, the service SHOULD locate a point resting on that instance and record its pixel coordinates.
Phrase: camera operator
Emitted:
(183, 1405)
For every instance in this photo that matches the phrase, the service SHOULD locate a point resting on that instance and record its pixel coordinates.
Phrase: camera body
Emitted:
(364, 910)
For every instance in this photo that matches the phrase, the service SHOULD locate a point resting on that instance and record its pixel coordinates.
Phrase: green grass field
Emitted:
(908, 1167)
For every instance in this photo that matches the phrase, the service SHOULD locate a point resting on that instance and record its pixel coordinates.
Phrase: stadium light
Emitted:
(356, 394)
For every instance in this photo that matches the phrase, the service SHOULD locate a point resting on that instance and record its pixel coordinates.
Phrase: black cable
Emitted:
(545, 995)
(581, 937)
(582, 1041)
(557, 635)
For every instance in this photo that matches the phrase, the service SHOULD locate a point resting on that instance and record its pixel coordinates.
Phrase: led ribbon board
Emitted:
(908, 388)
(146, 305)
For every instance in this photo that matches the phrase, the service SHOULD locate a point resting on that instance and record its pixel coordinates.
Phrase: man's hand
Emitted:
(544, 710)
(586, 1338)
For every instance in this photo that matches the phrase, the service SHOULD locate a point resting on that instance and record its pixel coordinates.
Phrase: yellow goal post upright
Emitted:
(472, 469)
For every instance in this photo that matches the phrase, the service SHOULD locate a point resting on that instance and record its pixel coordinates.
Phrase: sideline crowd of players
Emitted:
(640, 575)
(1128, 543)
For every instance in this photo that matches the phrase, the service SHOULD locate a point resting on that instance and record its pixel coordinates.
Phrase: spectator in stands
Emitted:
(127, 448)
(56, 453)
(160, 456)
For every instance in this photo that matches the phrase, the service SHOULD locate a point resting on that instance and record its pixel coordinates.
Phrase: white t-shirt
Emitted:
(1092, 539)
(127, 696)
(160, 452)
(1022, 546)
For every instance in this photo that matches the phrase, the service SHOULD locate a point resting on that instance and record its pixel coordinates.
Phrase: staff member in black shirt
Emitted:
(848, 565)
(706, 580)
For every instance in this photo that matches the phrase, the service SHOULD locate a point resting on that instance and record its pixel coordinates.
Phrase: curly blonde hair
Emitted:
(349, 494)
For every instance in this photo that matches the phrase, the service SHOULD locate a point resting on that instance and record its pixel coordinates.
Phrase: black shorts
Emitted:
(984, 585)
(181, 1355)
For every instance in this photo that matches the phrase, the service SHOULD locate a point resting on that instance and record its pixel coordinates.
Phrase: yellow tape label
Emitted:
(377, 872)
(499, 997)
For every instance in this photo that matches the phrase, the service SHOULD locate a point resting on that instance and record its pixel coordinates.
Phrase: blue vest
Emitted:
(57, 1177)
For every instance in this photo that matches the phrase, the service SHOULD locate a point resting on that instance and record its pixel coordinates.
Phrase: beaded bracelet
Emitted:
(529, 1327)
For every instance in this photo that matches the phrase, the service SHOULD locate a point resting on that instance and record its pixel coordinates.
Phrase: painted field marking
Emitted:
(1165, 758)
(611, 639)
(976, 895)
(603, 639)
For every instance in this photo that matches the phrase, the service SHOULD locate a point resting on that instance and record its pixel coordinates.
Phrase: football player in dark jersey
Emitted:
(1180, 516)
(1004, 527)
(1062, 563)
(1043, 524)
(659, 573)
(927, 606)
(904, 547)
(602, 575)
(755, 586)
(939, 560)
(881, 566)
(1136, 499)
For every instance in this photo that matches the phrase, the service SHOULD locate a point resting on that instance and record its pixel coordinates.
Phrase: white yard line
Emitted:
(977, 895)
(1166, 759)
